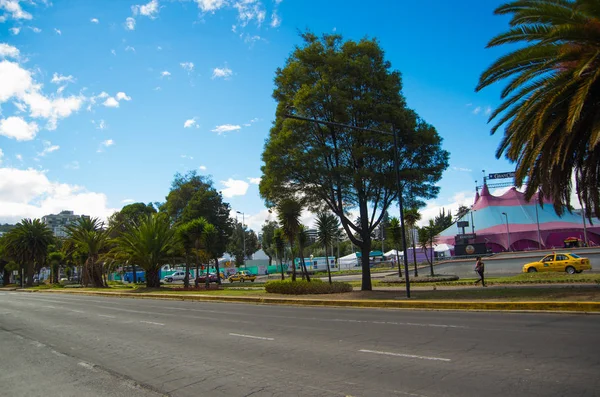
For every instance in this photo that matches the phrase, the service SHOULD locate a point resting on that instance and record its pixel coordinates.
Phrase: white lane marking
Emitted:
(252, 337)
(76, 311)
(3, 313)
(341, 320)
(49, 307)
(59, 354)
(89, 366)
(405, 355)
(37, 344)
(106, 315)
(151, 322)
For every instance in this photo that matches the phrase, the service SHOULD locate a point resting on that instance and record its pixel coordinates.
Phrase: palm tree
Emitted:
(327, 229)
(150, 244)
(411, 217)
(395, 231)
(302, 243)
(552, 102)
(28, 244)
(278, 239)
(289, 212)
(90, 236)
(190, 235)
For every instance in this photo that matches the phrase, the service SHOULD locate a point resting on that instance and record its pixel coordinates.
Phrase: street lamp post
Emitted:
(396, 166)
(507, 231)
(537, 220)
(243, 238)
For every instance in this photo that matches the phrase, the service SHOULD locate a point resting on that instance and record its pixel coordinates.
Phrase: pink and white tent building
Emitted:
(488, 217)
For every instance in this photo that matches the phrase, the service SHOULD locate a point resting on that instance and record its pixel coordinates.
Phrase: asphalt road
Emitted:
(68, 345)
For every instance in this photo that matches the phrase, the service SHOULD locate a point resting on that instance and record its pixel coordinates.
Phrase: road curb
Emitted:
(535, 306)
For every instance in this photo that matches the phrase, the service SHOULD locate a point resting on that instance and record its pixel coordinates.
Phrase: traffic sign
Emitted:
(462, 224)
(502, 175)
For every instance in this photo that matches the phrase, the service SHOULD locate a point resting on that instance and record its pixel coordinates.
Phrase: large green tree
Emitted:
(340, 168)
(551, 107)
(190, 234)
(150, 244)
(91, 237)
(193, 196)
(289, 212)
(27, 244)
(395, 233)
(266, 239)
(236, 244)
(279, 242)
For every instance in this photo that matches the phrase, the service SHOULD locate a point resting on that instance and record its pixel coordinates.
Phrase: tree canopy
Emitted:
(340, 168)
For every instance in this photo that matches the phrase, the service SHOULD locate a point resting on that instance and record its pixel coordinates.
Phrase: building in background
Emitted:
(58, 223)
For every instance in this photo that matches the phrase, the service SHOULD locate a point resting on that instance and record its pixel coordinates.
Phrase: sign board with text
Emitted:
(462, 224)
(466, 236)
(502, 175)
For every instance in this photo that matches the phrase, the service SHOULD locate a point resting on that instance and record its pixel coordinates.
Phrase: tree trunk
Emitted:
(281, 268)
(305, 268)
(186, 278)
(398, 260)
(134, 275)
(365, 251)
(293, 262)
(415, 256)
(431, 261)
(328, 268)
(29, 272)
(153, 278)
(6, 276)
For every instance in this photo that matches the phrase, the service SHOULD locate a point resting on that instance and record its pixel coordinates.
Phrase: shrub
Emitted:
(301, 287)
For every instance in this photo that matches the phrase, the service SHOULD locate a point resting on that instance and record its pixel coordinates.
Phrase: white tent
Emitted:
(392, 254)
(443, 250)
(348, 261)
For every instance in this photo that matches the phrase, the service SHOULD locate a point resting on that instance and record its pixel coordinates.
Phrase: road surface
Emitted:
(69, 345)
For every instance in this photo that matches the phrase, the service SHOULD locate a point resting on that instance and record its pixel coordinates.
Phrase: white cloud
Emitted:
(30, 194)
(73, 165)
(1, 155)
(94, 20)
(255, 181)
(113, 52)
(477, 110)
(433, 207)
(100, 125)
(226, 128)
(190, 123)
(165, 73)
(105, 144)
(157, 88)
(58, 32)
(19, 157)
(234, 187)
(461, 169)
(8, 51)
(250, 10)
(210, 5)
(13, 8)
(17, 128)
(130, 48)
(224, 72)
(275, 20)
(202, 167)
(159, 48)
(130, 23)
(58, 79)
(149, 10)
(35, 30)
(250, 39)
(185, 156)
(15, 31)
(488, 110)
(48, 148)
(123, 96)
(128, 201)
(111, 103)
(188, 66)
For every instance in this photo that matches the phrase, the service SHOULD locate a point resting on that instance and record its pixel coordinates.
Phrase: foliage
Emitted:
(190, 235)
(327, 230)
(337, 167)
(551, 108)
(266, 240)
(411, 217)
(235, 247)
(462, 211)
(279, 242)
(150, 245)
(193, 196)
(443, 221)
(90, 236)
(427, 236)
(302, 239)
(130, 214)
(301, 287)
(27, 244)
(289, 211)
(395, 233)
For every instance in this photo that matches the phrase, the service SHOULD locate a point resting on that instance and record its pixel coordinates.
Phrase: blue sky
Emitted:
(103, 102)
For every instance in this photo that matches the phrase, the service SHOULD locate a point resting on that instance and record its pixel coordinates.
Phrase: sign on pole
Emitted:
(502, 175)
(467, 236)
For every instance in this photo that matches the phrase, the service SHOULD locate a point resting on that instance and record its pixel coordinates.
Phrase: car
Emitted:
(242, 275)
(559, 262)
(177, 276)
(212, 278)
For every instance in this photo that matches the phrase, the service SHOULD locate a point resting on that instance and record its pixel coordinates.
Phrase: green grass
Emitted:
(590, 294)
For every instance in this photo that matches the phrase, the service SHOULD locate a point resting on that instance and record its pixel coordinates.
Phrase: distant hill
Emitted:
(6, 227)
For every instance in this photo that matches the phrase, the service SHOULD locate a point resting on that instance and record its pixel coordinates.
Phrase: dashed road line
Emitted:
(405, 355)
(151, 322)
(252, 337)
(106, 315)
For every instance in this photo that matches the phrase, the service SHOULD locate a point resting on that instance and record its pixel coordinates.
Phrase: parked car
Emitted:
(562, 262)
(242, 275)
(212, 278)
(177, 276)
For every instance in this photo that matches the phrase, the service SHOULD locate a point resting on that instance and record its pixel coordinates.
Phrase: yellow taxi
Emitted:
(561, 262)
(242, 275)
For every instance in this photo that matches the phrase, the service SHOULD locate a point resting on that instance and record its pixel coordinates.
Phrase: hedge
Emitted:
(302, 287)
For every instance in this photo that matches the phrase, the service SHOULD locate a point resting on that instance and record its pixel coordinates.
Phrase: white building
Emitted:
(58, 223)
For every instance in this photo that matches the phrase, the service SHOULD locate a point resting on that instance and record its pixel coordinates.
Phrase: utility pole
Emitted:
(243, 238)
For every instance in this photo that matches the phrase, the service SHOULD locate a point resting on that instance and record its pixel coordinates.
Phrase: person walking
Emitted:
(480, 269)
